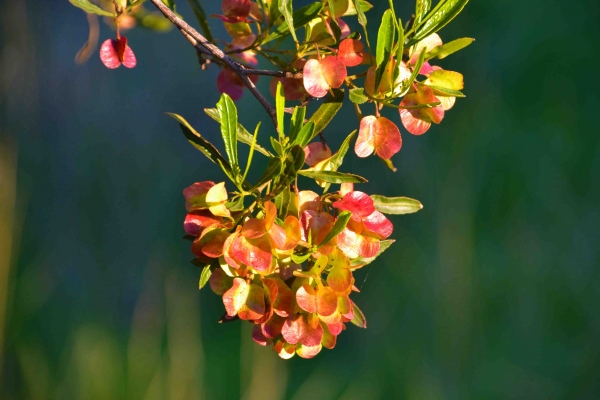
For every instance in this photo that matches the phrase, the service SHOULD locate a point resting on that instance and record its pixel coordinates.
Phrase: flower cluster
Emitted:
(289, 275)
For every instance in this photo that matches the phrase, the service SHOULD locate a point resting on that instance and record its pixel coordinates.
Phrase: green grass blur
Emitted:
(491, 292)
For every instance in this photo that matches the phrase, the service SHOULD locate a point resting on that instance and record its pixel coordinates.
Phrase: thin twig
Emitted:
(204, 46)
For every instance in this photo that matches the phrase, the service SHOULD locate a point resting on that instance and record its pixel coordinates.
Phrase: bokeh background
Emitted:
(491, 292)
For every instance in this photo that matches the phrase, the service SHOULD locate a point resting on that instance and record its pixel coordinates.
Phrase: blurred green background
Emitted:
(492, 291)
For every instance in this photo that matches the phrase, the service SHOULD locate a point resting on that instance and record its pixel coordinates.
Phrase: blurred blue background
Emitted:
(491, 292)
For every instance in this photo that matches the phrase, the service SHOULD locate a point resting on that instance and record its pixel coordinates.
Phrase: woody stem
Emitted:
(206, 47)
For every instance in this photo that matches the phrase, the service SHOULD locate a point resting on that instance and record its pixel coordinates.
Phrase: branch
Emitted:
(206, 47)
(278, 74)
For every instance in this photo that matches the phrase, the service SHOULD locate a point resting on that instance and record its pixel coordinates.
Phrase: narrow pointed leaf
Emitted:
(360, 262)
(445, 50)
(280, 108)
(297, 122)
(362, 19)
(301, 17)
(324, 114)
(422, 8)
(242, 133)
(359, 318)
(273, 169)
(91, 8)
(333, 176)
(385, 42)
(201, 17)
(306, 134)
(204, 276)
(292, 165)
(442, 91)
(229, 120)
(202, 144)
(286, 9)
(442, 14)
(396, 205)
(338, 227)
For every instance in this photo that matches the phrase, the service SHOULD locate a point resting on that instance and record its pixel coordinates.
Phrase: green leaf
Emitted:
(442, 14)
(202, 144)
(242, 133)
(399, 47)
(135, 3)
(276, 146)
(274, 13)
(359, 318)
(385, 42)
(422, 8)
(280, 108)
(396, 205)
(300, 258)
(301, 17)
(338, 158)
(389, 164)
(228, 113)
(357, 95)
(306, 134)
(91, 8)
(362, 20)
(282, 202)
(201, 17)
(273, 169)
(445, 50)
(333, 176)
(297, 122)
(338, 227)
(236, 205)
(419, 106)
(204, 276)
(335, 27)
(251, 152)
(363, 5)
(442, 91)
(361, 262)
(407, 83)
(324, 114)
(293, 163)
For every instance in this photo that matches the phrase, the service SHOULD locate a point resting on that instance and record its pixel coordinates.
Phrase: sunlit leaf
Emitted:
(385, 42)
(325, 113)
(340, 225)
(357, 96)
(383, 246)
(441, 15)
(300, 17)
(201, 144)
(280, 108)
(306, 134)
(286, 9)
(201, 17)
(229, 121)
(359, 318)
(445, 50)
(273, 169)
(396, 205)
(91, 8)
(297, 122)
(242, 133)
(204, 276)
(333, 176)
(362, 19)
